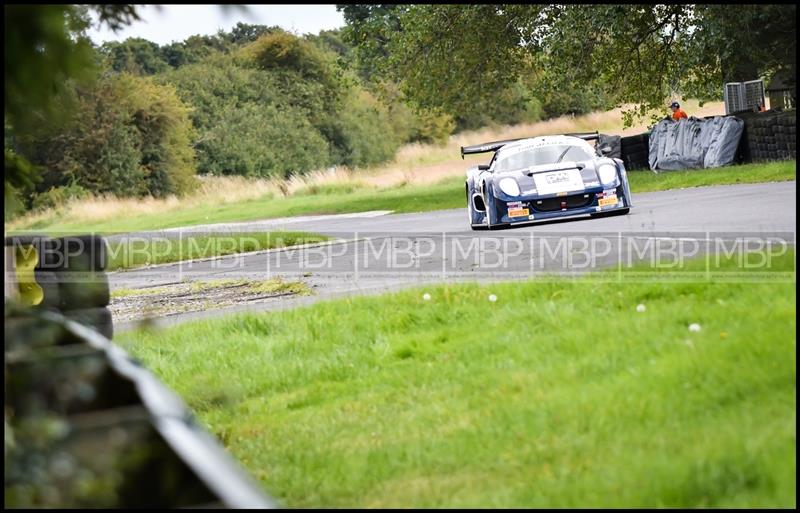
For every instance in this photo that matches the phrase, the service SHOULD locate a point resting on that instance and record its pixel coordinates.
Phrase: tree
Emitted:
(452, 56)
(127, 136)
(135, 55)
(244, 33)
(370, 28)
(45, 45)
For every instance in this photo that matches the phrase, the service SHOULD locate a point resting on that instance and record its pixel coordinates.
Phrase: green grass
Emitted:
(646, 181)
(139, 251)
(340, 199)
(559, 394)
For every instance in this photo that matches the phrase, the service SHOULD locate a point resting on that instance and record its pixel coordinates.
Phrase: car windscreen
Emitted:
(542, 155)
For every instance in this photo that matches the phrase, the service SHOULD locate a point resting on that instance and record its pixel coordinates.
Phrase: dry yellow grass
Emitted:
(415, 164)
(421, 164)
(213, 190)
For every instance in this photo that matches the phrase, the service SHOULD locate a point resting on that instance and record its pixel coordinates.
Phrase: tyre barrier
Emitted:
(635, 151)
(64, 274)
(769, 135)
(88, 427)
(614, 142)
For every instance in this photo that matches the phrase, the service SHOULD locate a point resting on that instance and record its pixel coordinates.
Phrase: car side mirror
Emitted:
(605, 150)
(483, 167)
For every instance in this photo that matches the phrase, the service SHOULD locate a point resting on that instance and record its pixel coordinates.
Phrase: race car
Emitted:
(546, 177)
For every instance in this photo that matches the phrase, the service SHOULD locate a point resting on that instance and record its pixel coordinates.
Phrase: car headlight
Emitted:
(509, 186)
(608, 173)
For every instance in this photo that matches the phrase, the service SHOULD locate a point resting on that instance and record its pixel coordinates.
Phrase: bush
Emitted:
(129, 137)
(261, 140)
(411, 125)
(164, 134)
(361, 135)
(284, 51)
(58, 196)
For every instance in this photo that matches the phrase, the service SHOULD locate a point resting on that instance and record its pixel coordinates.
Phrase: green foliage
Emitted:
(261, 140)
(244, 33)
(20, 178)
(361, 134)
(454, 57)
(413, 124)
(281, 50)
(43, 50)
(129, 136)
(291, 93)
(165, 134)
(387, 34)
(247, 122)
(44, 47)
(332, 41)
(134, 55)
(58, 196)
(96, 150)
(370, 28)
(448, 55)
(739, 44)
(299, 61)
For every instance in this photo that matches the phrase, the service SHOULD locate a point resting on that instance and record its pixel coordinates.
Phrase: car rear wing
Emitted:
(496, 145)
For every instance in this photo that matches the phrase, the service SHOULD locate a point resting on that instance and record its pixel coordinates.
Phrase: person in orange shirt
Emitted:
(677, 112)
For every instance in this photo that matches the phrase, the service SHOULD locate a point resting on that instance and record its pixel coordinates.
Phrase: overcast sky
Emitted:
(177, 22)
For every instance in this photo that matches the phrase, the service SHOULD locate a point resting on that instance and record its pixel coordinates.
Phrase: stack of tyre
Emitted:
(66, 275)
(772, 136)
(635, 151)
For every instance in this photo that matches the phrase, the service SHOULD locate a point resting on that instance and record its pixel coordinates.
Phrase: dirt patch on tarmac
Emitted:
(195, 296)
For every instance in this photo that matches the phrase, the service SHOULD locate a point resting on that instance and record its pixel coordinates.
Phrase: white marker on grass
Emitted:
(492, 298)
(641, 308)
(694, 327)
(426, 296)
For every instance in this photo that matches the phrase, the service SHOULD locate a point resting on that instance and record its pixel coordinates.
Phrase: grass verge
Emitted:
(558, 394)
(647, 181)
(447, 193)
(128, 253)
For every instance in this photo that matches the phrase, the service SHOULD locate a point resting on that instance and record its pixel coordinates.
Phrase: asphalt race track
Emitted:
(378, 252)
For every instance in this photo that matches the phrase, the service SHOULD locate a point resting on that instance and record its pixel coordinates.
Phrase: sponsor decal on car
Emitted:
(519, 212)
(607, 200)
(561, 181)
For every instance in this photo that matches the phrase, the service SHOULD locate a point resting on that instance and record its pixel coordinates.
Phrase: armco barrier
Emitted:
(87, 426)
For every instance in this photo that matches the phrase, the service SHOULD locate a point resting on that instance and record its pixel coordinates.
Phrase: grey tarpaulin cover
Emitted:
(694, 143)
